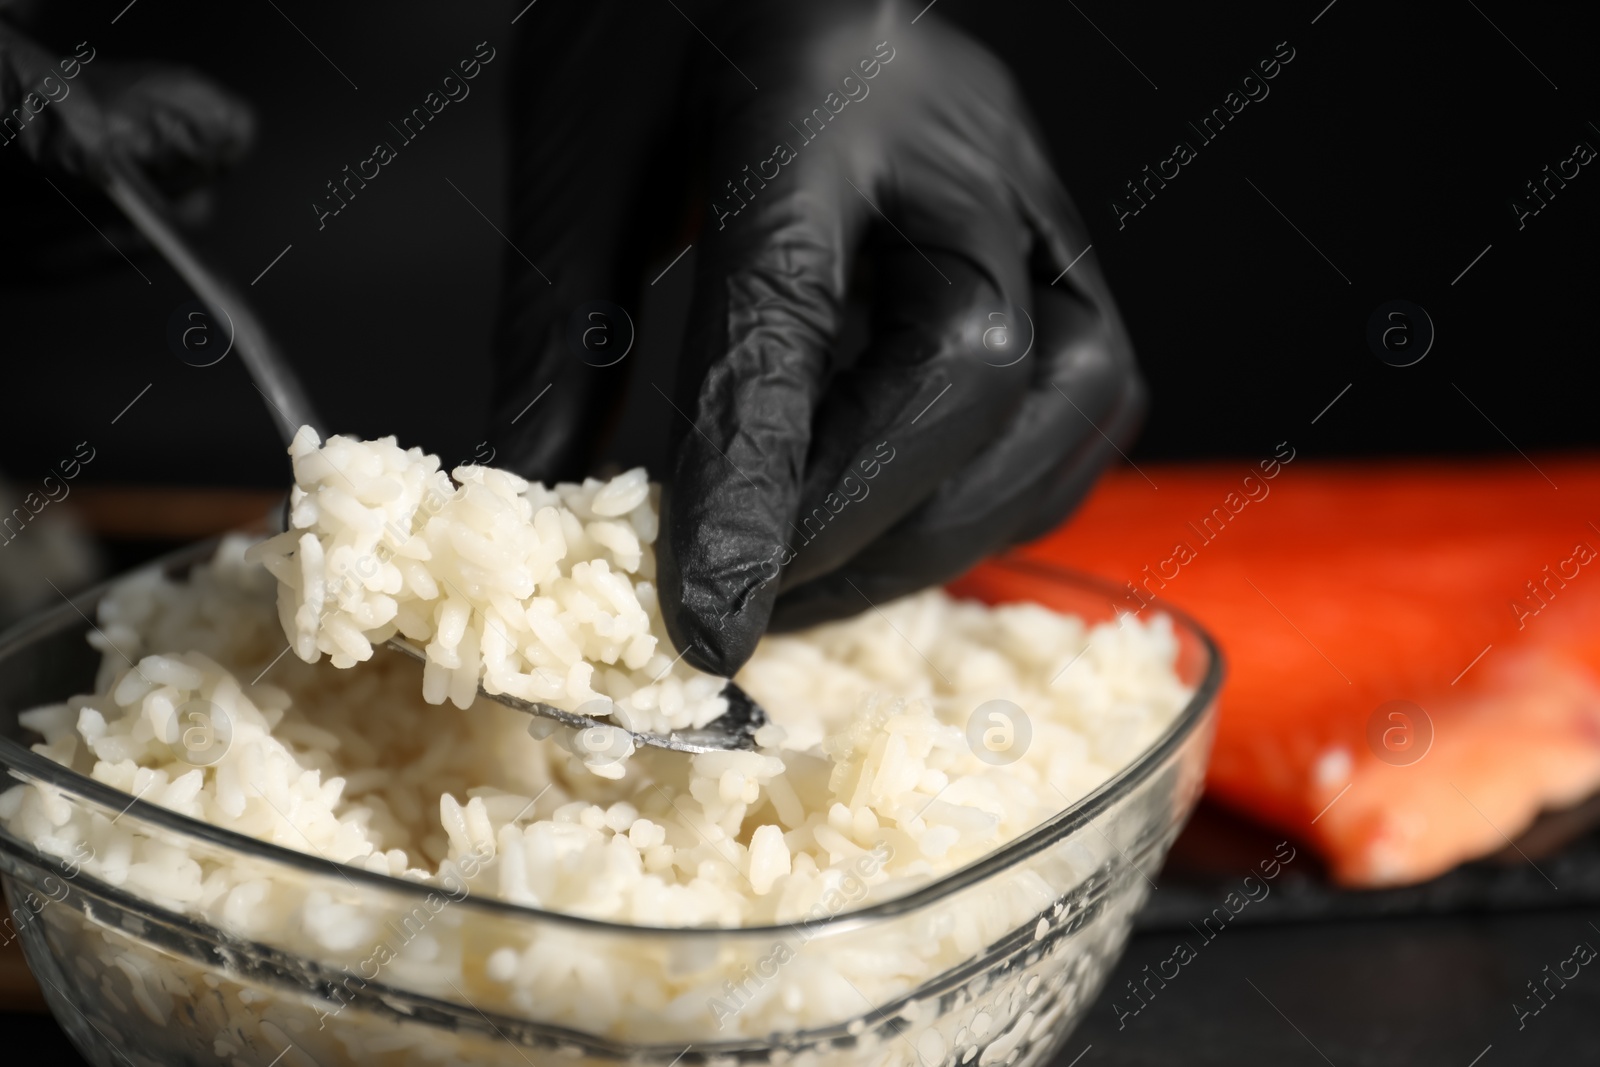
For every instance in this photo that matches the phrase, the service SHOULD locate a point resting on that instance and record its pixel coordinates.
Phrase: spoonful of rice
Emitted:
(539, 597)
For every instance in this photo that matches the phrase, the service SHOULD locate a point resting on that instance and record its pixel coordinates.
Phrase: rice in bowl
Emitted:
(871, 788)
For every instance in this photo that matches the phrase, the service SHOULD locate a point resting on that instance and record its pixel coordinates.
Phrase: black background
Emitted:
(1394, 143)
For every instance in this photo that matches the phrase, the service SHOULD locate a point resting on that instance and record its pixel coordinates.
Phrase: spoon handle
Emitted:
(269, 370)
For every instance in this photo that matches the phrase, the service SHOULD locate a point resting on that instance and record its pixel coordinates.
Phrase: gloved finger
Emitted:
(941, 197)
(1115, 424)
(938, 379)
(181, 128)
(586, 197)
(1084, 404)
(764, 319)
(1065, 262)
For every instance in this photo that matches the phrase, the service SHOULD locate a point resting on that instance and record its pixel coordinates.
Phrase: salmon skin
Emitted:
(1414, 648)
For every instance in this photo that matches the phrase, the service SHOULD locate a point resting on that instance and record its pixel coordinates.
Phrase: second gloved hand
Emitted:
(68, 111)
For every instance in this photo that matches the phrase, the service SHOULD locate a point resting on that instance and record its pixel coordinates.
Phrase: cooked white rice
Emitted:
(546, 594)
(869, 778)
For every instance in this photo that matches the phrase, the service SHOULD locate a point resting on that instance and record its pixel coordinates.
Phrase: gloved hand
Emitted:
(834, 144)
(65, 112)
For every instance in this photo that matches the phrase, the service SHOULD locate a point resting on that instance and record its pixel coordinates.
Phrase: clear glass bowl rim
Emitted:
(16, 639)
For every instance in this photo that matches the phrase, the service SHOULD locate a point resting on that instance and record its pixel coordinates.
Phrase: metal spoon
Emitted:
(733, 729)
(291, 408)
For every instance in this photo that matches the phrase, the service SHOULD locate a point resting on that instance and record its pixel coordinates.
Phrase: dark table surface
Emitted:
(1357, 993)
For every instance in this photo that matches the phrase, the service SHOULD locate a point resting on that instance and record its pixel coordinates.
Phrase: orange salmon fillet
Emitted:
(1468, 591)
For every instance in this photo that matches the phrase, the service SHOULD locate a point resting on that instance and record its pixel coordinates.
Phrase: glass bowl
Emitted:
(1022, 939)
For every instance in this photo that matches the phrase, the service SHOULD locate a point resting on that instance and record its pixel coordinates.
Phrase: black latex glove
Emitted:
(178, 126)
(838, 481)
